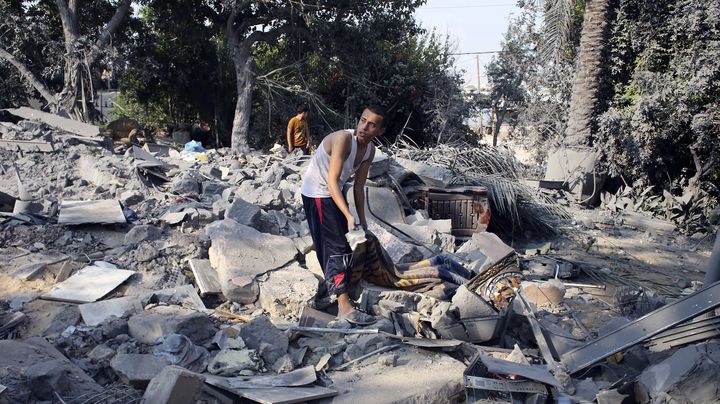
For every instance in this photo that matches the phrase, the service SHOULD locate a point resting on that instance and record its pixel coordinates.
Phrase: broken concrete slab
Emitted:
(27, 145)
(469, 304)
(137, 369)
(233, 362)
(56, 121)
(60, 376)
(262, 335)
(81, 212)
(484, 249)
(436, 378)
(205, 277)
(431, 175)
(152, 324)
(140, 233)
(244, 213)
(95, 313)
(173, 385)
(286, 291)
(88, 285)
(239, 253)
(398, 250)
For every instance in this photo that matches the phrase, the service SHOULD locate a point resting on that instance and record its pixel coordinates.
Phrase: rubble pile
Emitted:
(135, 271)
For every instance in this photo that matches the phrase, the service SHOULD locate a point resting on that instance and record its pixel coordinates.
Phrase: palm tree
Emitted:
(586, 100)
(586, 97)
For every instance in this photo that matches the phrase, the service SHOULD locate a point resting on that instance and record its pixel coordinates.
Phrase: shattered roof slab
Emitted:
(88, 285)
(80, 212)
(68, 125)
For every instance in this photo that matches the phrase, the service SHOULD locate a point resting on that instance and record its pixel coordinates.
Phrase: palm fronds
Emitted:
(514, 205)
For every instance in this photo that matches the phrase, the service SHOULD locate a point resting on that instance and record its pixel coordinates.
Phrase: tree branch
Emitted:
(109, 30)
(72, 5)
(28, 75)
(69, 24)
(265, 36)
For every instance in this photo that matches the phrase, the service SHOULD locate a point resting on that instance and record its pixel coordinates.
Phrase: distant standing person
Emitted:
(107, 75)
(340, 155)
(298, 132)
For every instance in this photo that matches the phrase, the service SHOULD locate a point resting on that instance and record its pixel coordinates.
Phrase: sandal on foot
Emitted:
(359, 318)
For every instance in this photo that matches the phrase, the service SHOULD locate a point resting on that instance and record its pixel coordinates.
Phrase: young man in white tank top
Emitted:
(340, 154)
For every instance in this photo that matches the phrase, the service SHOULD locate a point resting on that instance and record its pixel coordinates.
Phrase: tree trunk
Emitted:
(243, 106)
(586, 89)
(72, 100)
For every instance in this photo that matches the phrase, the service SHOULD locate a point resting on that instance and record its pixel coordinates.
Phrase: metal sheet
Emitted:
(482, 383)
(643, 328)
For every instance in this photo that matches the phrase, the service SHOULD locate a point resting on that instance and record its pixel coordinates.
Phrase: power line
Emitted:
(478, 6)
(477, 53)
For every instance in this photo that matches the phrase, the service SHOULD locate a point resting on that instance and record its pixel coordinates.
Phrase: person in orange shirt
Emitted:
(298, 132)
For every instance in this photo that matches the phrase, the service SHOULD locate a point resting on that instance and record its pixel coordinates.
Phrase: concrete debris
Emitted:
(173, 385)
(686, 376)
(239, 254)
(286, 291)
(137, 369)
(197, 281)
(152, 324)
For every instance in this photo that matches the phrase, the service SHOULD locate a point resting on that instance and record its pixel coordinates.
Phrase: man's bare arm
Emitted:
(289, 137)
(359, 187)
(339, 149)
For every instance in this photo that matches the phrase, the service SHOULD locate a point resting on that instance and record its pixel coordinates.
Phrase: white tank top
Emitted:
(314, 183)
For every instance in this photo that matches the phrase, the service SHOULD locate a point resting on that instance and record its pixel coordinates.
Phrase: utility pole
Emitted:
(477, 64)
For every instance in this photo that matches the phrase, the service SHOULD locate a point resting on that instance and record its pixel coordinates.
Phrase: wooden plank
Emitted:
(205, 276)
(27, 145)
(88, 285)
(80, 212)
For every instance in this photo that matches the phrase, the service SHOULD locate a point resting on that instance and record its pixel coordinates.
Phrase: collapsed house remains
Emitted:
(133, 272)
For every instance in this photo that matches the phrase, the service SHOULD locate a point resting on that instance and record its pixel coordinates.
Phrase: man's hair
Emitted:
(377, 110)
(301, 108)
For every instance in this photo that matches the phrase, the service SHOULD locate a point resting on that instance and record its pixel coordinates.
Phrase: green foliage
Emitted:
(379, 57)
(177, 67)
(545, 81)
(689, 210)
(663, 122)
(32, 33)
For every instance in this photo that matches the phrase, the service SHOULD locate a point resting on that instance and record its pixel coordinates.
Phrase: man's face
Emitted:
(369, 126)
